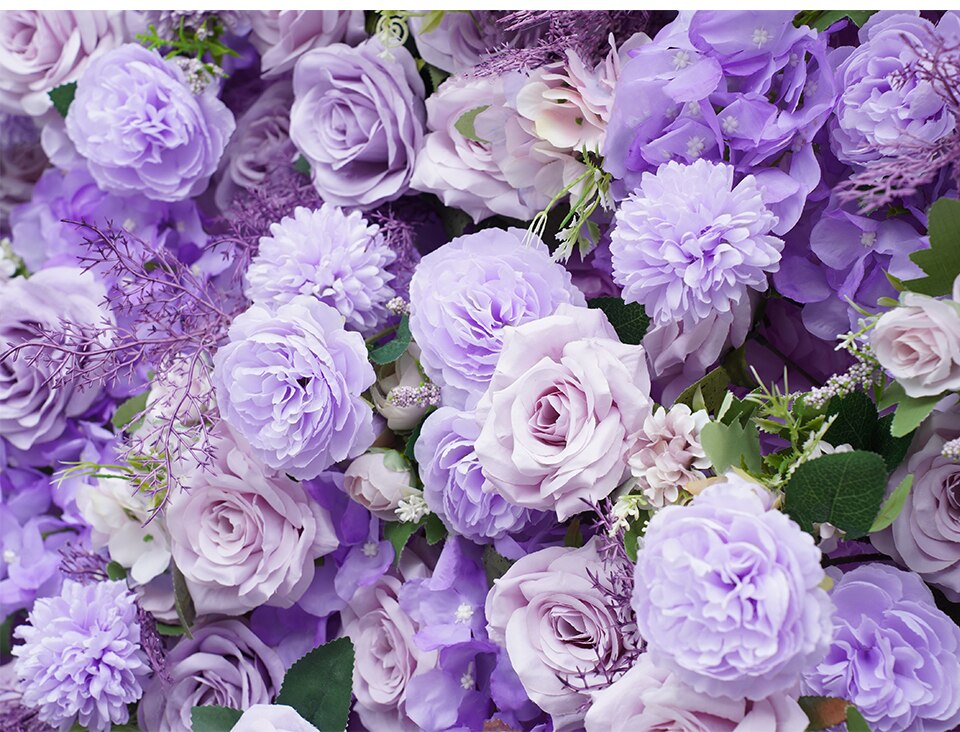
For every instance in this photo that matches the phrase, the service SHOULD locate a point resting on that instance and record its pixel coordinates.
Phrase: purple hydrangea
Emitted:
(689, 244)
(30, 562)
(894, 655)
(463, 296)
(290, 383)
(453, 482)
(141, 128)
(81, 659)
(727, 593)
(337, 257)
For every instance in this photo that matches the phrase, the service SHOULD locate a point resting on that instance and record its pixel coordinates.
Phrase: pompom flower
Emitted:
(290, 383)
(81, 659)
(336, 257)
(727, 593)
(688, 243)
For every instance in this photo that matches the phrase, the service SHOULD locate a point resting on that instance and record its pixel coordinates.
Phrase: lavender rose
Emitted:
(42, 49)
(918, 343)
(283, 36)
(243, 536)
(727, 593)
(557, 627)
(465, 293)
(141, 128)
(32, 410)
(290, 382)
(23, 162)
(272, 718)
(224, 664)
(565, 406)
(650, 697)
(358, 119)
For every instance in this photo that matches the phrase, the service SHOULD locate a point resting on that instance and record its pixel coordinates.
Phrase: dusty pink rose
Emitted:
(563, 411)
(283, 36)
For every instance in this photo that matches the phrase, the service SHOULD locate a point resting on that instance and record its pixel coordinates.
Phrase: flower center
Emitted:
(464, 613)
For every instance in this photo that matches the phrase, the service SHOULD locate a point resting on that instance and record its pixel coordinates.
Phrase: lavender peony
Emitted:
(290, 382)
(141, 128)
(727, 593)
(464, 294)
(358, 120)
(283, 36)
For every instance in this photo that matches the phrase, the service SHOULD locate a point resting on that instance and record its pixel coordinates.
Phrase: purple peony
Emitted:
(453, 482)
(727, 593)
(358, 119)
(283, 36)
(876, 113)
(290, 382)
(465, 294)
(141, 128)
(81, 659)
(224, 664)
(895, 656)
(337, 257)
(688, 243)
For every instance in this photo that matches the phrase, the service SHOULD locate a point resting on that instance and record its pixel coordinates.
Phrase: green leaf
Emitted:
(845, 489)
(856, 424)
(398, 533)
(173, 631)
(731, 446)
(320, 685)
(893, 505)
(129, 411)
(431, 21)
(454, 221)
(911, 411)
(214, 719)
(631, 541)
(495, 564)
(182, 601)
(116, 571)
(465, 125)
(302, 166)
(390, 352)
(892, 449)
(822, 19)
(712, 388)
(434, 529)
(855, 720)
(436, 76)
(941, 261)
(62, 97)
(629, 320)
(823, 712)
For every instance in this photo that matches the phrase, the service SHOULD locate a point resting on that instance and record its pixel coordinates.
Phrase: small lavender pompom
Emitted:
(81, 659)
(689, 244)
(336, 257)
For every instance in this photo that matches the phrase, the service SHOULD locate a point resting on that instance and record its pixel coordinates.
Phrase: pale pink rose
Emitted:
(272, 718)
(378, 480)
(283, 36)
(918, 343)
(563, 411)
(648, 697)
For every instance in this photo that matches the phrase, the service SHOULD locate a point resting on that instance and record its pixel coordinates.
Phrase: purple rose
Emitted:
(378, 480)
(727, 593)
(23, 162)
(464, 294)
(224, 664)
(557, 627)
(272, 718)
(895, 656)
(32, 410)
(141, 128)
(358, 119)
(650, 697)
(42, 49)
(459, 42)
(244, 536)
(565, 406)
(283, 36)
(290, 383)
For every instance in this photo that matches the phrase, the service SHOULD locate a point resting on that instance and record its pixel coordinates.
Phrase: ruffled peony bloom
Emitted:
(272, 718)
(464, 294)
(564, 409)
(669, 453)
(379, 480)
(42, 49)
(453, 482)
(244, 536)
(81, 659)
(290, 383)
(727, 593)
(142, 130)
(688, 243)
(338, 258)
(224, 664)
(283, 36)
(358, 120)
(895, 656)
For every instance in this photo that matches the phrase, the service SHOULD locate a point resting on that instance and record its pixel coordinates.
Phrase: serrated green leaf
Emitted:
(62, 97)
(494, 564)
(845, 489)
(436, 76)
(390, 352)
(731, 446)
(823, 712)
(214, 719)
(398, 533)
(712, 387)
(855, 720)
(116, 571)
(302, 166)
(434, 529)
(941, 262)
(855, 423)
(466, 124)
(320, 685)
(892, 507)
(129, 412)
(911, 411)
(628, 319)
(182, 601)
(892, 449)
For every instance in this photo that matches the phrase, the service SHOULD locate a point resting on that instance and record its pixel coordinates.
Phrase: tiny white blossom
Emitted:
(412, 508)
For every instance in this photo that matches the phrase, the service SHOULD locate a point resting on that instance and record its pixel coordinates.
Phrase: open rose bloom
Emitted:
(453, 370)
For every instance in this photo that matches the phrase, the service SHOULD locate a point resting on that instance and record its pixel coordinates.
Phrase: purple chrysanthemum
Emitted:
(337, 257)
(688, 243)
(81, 659)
